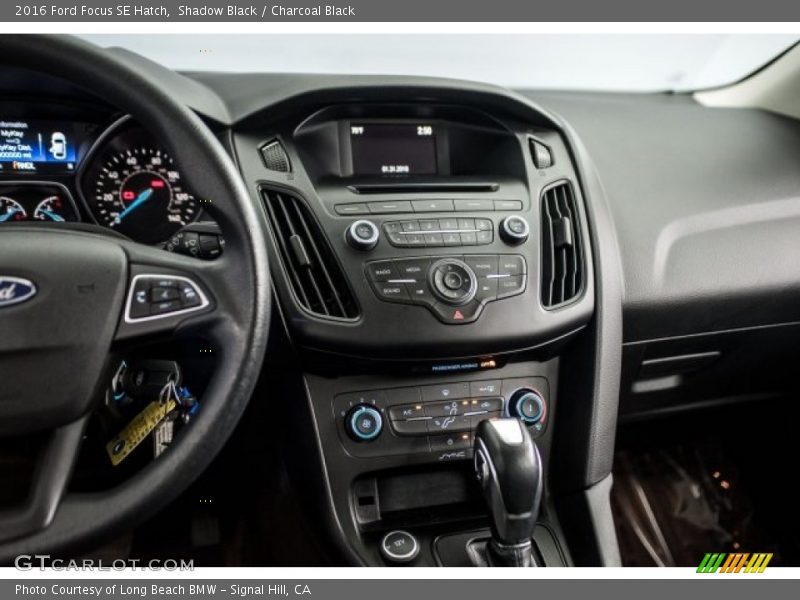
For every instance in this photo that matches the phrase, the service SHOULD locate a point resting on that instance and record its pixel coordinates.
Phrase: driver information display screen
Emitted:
(36, 145)
(393, 148)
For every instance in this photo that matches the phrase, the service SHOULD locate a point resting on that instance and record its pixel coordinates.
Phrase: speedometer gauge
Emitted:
(139, 193)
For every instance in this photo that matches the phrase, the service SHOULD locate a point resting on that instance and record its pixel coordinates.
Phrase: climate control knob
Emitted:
(527, 405)
(514, 230)
(362, 235)
(364, 423)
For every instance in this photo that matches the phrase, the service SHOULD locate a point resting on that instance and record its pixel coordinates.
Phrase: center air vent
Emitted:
(563, 268)
(316, 277)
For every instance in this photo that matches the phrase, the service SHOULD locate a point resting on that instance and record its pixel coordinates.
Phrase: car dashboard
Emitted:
(444, 252)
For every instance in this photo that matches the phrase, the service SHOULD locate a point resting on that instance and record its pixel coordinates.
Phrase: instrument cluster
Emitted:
(124, 180)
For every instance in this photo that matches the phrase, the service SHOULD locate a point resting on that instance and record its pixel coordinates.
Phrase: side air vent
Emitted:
(316, 277)
(275, 157)
(563, 268)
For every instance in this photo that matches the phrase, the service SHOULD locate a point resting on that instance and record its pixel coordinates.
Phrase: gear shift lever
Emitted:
(509, 469)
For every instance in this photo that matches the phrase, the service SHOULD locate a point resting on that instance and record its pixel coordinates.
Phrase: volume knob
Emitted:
(362, 235)
(514, 230)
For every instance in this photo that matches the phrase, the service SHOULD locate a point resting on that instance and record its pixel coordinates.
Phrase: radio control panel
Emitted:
(455, 288)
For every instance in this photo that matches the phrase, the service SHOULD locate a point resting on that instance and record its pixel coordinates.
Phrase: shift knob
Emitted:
(509, 469)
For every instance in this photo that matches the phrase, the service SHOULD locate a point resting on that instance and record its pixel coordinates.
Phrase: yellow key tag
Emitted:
(142, 425)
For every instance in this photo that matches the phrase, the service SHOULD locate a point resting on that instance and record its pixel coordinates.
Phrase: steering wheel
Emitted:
(78, 286)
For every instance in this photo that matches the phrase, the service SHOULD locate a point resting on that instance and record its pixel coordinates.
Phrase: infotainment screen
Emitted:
(393, 148)
(35, 146)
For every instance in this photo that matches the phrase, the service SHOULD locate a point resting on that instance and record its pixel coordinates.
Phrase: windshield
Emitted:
(619, 63)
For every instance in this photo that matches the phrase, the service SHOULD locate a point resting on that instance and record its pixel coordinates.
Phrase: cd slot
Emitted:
(422, 188)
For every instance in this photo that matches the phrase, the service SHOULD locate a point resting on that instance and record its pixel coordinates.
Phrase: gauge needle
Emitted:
(51, 215)
(9, 214)
(140, 199)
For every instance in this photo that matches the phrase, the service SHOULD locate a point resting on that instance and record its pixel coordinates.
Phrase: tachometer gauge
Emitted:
(139, 192)
(11, 210)
(50, 209)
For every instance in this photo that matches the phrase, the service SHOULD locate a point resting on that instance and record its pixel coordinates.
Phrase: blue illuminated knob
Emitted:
(364, 422)
(527, 405)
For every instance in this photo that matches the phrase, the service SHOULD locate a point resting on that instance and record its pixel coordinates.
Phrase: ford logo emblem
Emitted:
(14, 290)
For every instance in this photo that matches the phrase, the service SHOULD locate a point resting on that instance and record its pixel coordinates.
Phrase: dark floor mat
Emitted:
(672, 505)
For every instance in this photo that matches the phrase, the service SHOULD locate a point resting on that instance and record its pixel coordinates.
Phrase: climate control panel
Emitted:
(454, 288)
(435, 422)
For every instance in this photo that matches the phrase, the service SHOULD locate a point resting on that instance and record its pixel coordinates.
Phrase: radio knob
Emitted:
(364, 422)
(453, 281)
(514, 230)
(362, 235)
(527, 405)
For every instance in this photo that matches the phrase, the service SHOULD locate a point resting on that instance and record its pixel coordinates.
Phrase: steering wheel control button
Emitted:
(364, 422)
(159, 296)
(363, 235)
(453, 281)
(514, 230)
(399, 547)
(528, 406)
(163, 294)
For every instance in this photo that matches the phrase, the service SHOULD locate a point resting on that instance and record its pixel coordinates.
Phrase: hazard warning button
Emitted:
(456, 315)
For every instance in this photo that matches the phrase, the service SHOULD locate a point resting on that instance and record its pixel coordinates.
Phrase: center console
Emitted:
(431, 260)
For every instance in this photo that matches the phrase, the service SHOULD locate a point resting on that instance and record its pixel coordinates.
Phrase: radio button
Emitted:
(392, 292)
(429, 225)
(483, 264)
(448, 224)
(487, 289)
(380, 208)
(451, 239)
(473, 205)
(511, 265)
(414, 239)
(466, 224)
(382, 270)
(508, 205)
(485, 237)
(432, 205)
(469, 239)
(434, 239)
(351, 209)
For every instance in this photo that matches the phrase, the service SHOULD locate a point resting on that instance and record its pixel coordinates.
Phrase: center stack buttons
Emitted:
(453, 281)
